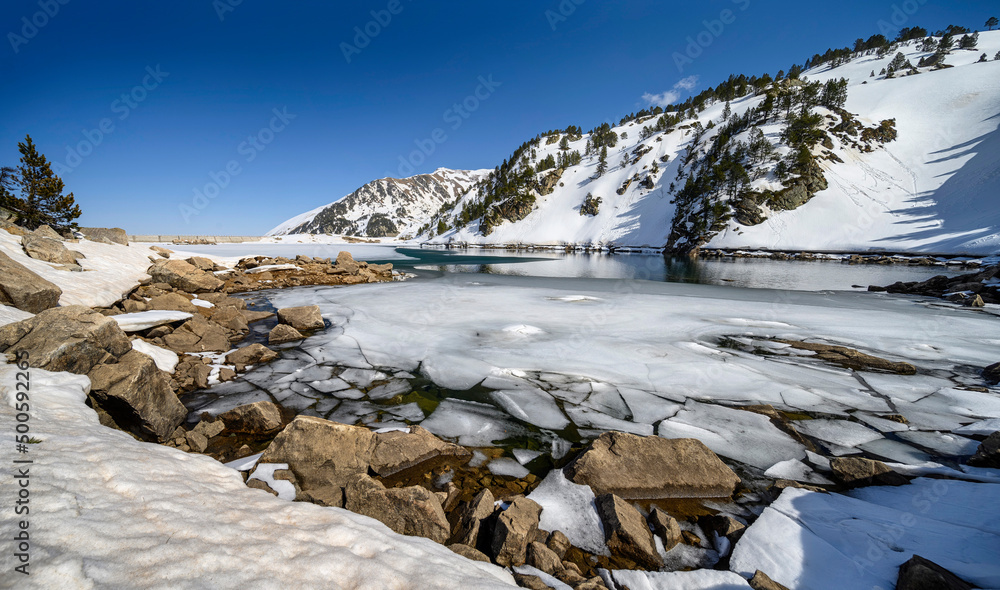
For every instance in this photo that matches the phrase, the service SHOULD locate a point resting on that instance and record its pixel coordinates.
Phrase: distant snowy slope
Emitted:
(935, 188)
(385, 207)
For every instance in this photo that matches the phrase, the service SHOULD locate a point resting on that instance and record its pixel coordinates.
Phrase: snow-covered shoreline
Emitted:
(109, 511)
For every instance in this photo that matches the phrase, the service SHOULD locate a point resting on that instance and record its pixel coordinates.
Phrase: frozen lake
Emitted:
(540, 364)
(739, 272)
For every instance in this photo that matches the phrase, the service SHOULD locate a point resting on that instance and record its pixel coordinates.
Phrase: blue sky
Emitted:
(230, 116)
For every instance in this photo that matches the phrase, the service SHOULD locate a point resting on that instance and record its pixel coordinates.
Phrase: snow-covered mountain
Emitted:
(934, 187)
(910, 161)
(387, 207)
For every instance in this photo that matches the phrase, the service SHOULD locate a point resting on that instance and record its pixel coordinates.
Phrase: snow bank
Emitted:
(813, 541)
(108, 511)
(111, 270)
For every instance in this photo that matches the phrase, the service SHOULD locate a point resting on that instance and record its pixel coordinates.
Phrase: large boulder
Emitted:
(48, 250)
(109, 235)
(856, 472)
(321, 453)
(345, 264)
(73, 338)
(254, 354)
(301, 318)
(283, 333)
(172, 302)
(471, 517)
(231, 319)
(201, 263)
(666, 526)
(411, 510)
(626, 532)
(197, 335)
(514, 528)
(44, 231)
(992, 374)
(397, 451)
(988, 454)
(637, 467)
(136, 396)
(184, 276)
(761, 581)
(261, 417)
(23, 289)
(922, 574)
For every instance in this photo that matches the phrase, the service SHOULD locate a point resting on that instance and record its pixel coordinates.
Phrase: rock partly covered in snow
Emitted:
(24, 289)
(151, 496)
(412, 510)
(322, 454)
(137, 397)
(636, 467)
(858, 472)
(922, 574)
(72, 338)
(988, 453)
(184, 276)
(48, 250)
(513, 530)
(108, 235)
(397, 452)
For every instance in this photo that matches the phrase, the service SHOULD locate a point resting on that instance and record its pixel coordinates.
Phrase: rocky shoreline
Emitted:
(971, 290)
(886, 258)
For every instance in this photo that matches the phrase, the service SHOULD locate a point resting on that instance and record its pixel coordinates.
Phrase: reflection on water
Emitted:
(739, 272)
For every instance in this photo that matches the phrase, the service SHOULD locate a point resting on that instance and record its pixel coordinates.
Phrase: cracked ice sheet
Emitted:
(737, 434)
(656, 338)
(814, 541)
(696, 580)
(119, 513)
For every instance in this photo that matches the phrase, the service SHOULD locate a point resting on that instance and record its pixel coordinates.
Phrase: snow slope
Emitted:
(935, 189)
(813, 541)
(107, 511)
(110, 270)
(407, 202)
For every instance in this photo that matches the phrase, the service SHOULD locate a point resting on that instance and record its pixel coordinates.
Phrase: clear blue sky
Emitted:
(218, 80)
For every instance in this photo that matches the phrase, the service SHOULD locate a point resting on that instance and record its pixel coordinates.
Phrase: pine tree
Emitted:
(602, 162)
(727, 112)
(969, 41)
(992, 22)
(982, 58)
(42, 200)
(564, 143)
(997, 56)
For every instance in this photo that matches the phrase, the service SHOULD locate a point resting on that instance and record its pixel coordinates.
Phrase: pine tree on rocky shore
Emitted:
(41, 200)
